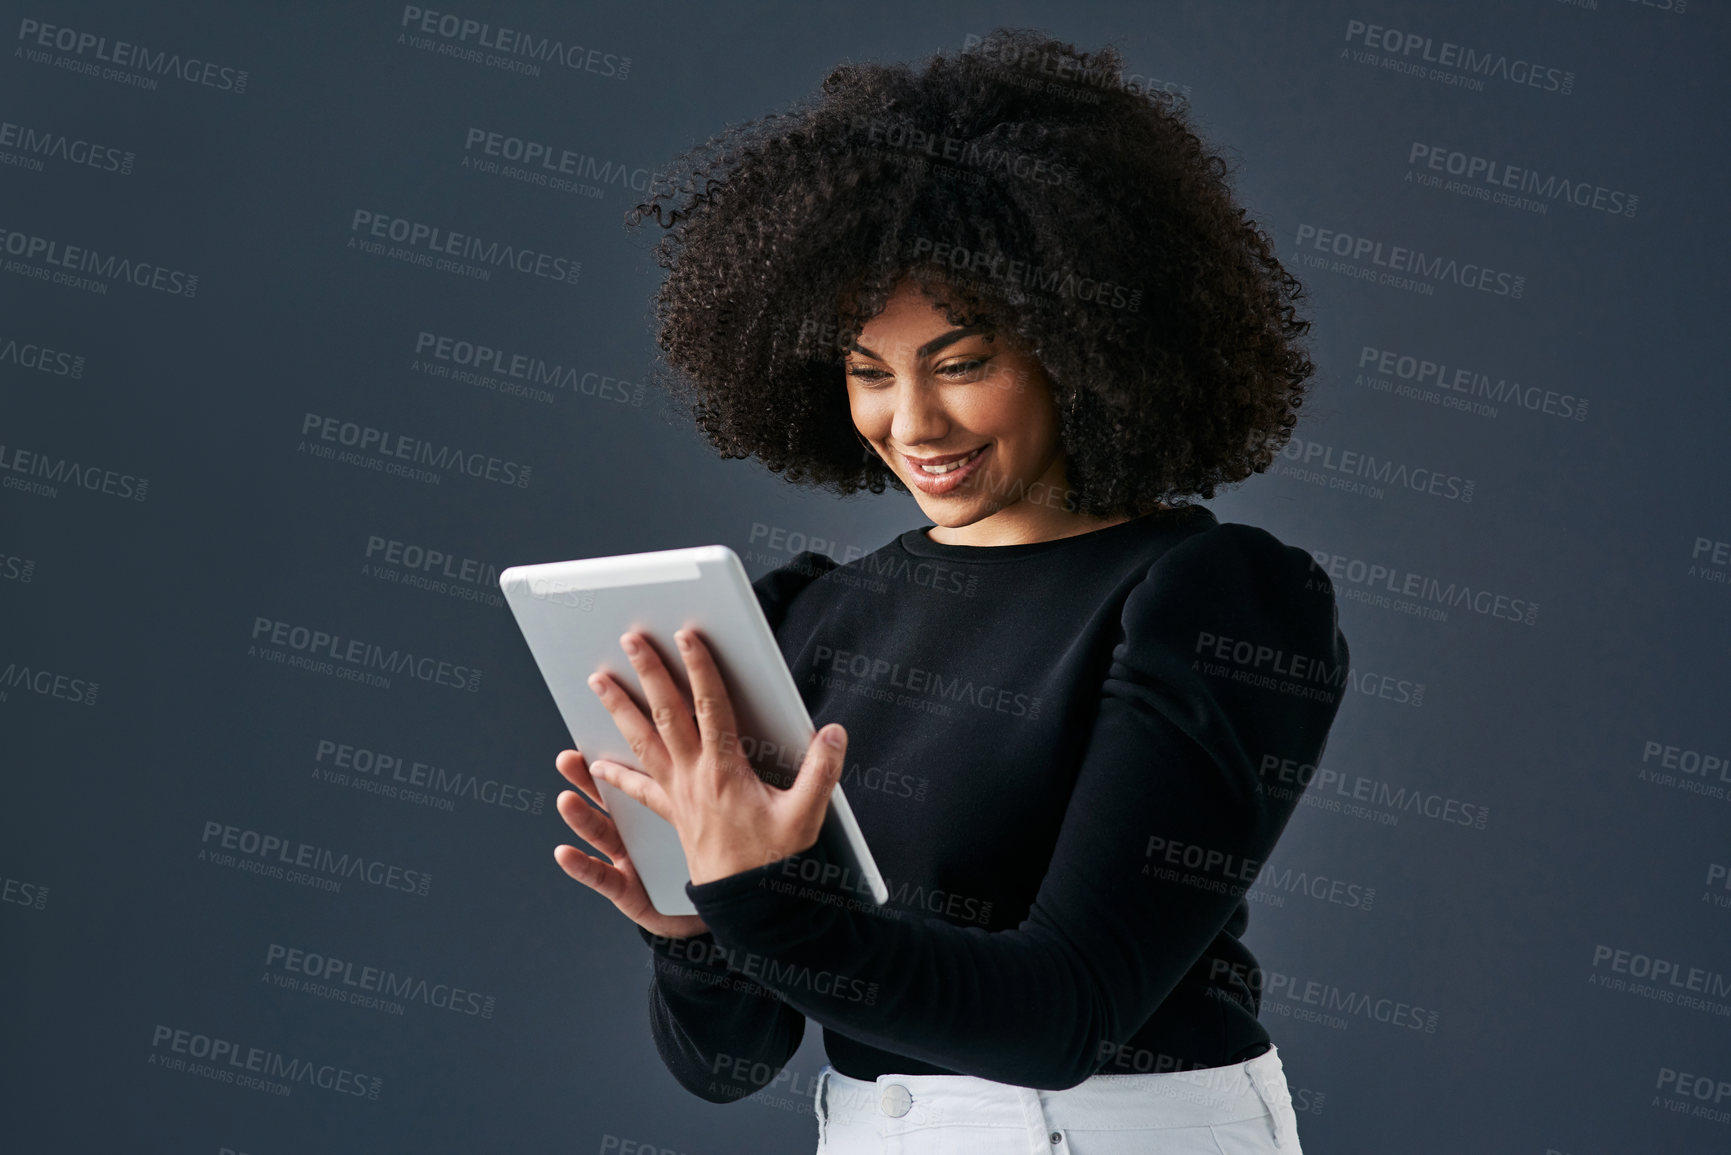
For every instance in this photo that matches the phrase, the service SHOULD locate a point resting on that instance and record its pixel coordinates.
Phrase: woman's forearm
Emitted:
(722, 1035)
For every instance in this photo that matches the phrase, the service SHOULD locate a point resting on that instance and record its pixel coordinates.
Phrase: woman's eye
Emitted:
(960, 368)
(868, 375)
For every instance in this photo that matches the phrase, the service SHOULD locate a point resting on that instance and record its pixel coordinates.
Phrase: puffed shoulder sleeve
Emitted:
(776, 589)
(1230, 660)
(1233, 637)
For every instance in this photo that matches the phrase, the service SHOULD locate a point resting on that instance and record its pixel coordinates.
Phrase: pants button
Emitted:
(1056, 1137)
(897, 1100)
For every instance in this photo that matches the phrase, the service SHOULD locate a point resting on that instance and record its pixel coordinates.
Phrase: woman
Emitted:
(1065, 710)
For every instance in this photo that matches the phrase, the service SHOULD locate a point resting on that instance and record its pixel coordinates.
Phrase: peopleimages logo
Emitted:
(550, 166)
(988, 265)
(93, 52)
(1710, 559)
(400, 454)
(43, 474)
(18, 677)
(1425, 57)
(1323, 1002)
(514, 372)
(358, 656)
(1286, 880)
(765, 969)
(1661, 980)
(1711, 1094)
(1360, 471)
(1422, 595)
(1070, 77)
(257, 1068)
(435, 247)
(327, 976)
(433, 570)
(27, 147)
(1400, 266)
(1254, 663)
(1382, 802)
(399, 773)
(28, 894)
(268, 854)
(42, 359)
(1459, 387)
(1703, 772)
(81, 267)
(792, 542)
(872, 673)
(511, 49)
(1491, 179)
(896, 140)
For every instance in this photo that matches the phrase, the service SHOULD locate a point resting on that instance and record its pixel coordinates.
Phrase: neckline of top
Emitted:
(915, 541)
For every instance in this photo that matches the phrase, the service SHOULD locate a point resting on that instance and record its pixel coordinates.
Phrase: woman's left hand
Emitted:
(695, 775)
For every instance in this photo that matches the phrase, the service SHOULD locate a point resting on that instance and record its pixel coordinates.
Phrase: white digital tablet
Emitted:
(572, 614)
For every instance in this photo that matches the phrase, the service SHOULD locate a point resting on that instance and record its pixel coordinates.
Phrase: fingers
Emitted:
(590, 824)
(825, 759)
(667, 708)
(715, 722)
(572, 765)
(610, 882)
(637, 786)
(648, 735)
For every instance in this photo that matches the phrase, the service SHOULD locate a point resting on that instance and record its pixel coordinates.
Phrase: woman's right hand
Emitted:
(618, 882)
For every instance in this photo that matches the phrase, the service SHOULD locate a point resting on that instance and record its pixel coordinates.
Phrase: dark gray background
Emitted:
(112, 926)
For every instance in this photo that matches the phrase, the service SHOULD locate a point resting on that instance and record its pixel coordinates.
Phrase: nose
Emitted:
(919, 414)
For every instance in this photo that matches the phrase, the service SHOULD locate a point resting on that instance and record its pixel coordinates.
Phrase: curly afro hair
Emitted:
(1022, 184)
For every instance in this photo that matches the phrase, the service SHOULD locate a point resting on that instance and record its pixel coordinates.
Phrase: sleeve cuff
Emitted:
(803, 872)
(698, 952)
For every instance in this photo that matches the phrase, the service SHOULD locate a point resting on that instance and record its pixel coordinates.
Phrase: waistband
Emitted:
(895, 1104)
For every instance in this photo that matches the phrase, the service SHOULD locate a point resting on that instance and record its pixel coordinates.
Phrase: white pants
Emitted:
(1243, 1109)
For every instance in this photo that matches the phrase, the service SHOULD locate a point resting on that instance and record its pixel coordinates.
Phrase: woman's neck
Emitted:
(1030, 526)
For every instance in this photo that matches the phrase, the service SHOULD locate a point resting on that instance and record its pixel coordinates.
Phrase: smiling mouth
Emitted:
(945, 477)
(948, 465)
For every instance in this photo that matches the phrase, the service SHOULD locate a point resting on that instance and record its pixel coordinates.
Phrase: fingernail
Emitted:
(684, 640)
(597, 683)
(632, 645)
(832, 736)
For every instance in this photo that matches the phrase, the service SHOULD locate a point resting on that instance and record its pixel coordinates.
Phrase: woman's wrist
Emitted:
(674, 942)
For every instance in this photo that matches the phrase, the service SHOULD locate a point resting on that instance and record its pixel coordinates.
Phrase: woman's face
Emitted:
(924, 392)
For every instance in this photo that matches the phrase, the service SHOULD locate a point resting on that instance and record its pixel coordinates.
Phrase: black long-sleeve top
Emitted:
(1069, 759)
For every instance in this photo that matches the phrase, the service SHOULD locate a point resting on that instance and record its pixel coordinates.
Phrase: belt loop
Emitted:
(1280, 1109)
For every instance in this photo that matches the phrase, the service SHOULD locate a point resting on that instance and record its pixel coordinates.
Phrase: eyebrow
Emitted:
(931, 346)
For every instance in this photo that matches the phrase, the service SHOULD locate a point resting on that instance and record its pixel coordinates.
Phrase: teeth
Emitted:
(952, 466)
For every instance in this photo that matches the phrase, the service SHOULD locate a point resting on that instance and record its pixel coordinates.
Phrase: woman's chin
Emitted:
(954, 512)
